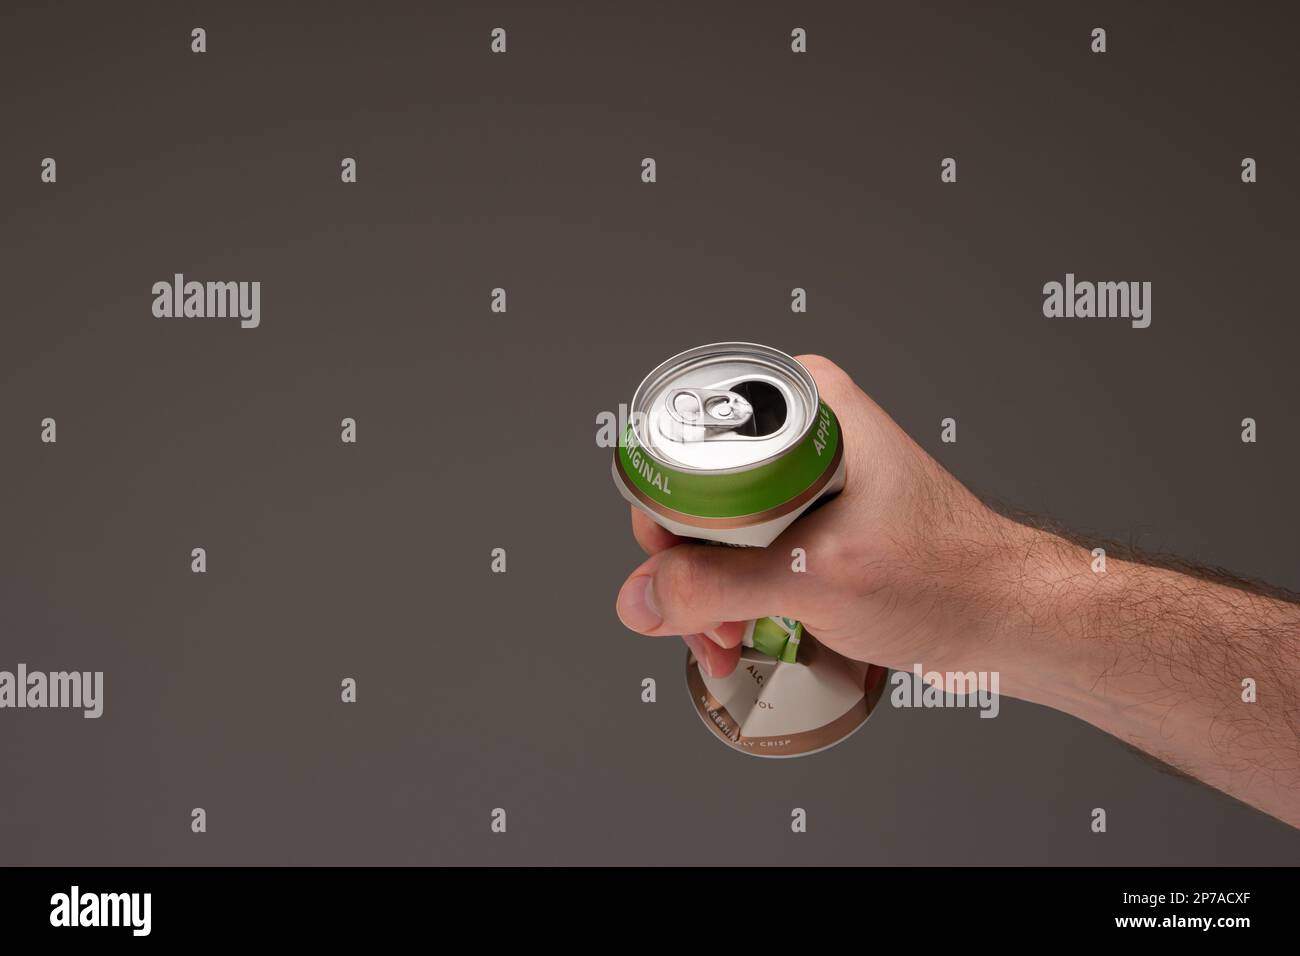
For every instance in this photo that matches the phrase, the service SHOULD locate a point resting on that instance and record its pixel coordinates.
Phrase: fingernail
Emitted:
(697, 649)
(636, 607)
(728, 634)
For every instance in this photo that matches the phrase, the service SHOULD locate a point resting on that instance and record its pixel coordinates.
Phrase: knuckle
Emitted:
(831, 379)
(842, 562)
(829, 558)
(821, 366)
(813, 360)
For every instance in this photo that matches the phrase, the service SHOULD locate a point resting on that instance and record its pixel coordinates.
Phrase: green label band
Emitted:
(742, 493)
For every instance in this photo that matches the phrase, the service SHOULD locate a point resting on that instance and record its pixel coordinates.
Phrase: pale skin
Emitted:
(906, 566)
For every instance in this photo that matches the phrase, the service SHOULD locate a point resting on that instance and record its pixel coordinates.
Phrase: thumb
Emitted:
(691, 588)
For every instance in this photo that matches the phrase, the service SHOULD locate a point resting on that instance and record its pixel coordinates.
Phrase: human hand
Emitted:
(898, 564)
(906, 567)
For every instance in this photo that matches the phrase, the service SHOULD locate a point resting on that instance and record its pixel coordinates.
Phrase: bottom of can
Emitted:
(769, 708)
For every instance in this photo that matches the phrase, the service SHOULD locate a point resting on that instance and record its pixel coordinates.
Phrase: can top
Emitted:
(725, 407)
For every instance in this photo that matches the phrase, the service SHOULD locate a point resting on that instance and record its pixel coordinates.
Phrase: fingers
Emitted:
(871, 438)
(833, 383)
(713, 660)
(729, 634)
(651, 536)
(693, 588)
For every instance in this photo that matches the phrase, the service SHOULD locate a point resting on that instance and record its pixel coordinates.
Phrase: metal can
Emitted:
(730, 443)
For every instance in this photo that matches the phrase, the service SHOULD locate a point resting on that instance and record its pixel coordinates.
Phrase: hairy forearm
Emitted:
(1161, 659)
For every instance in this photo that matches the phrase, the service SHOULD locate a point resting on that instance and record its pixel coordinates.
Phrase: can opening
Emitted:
(724, 408)
(768, 404)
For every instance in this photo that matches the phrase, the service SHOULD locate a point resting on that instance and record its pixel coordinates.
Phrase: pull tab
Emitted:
(711, 409)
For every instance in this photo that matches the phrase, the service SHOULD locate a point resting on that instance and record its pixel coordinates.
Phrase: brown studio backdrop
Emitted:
(477, 430)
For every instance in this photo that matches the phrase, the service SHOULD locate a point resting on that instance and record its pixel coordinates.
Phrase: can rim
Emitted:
(789, 362)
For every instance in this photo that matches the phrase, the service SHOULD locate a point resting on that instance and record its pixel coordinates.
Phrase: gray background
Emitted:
(477, 430)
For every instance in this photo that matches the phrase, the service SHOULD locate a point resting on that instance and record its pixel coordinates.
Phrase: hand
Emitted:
(895, 564)
(906, 567)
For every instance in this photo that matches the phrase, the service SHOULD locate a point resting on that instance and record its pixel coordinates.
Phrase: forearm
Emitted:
(1159, 659)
